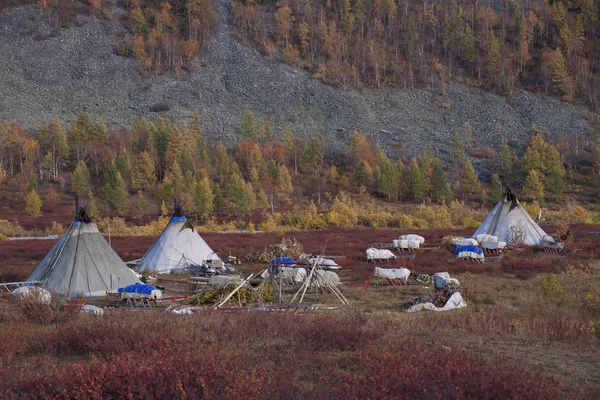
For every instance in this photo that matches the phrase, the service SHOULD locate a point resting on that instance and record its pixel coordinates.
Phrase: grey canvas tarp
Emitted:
(83, 263)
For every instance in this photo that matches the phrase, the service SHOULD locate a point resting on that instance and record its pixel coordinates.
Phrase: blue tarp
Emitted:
(473, 249)
(282, 260)
(138, 288)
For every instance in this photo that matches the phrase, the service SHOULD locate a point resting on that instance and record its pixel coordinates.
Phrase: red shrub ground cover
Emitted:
(19, 258)
(254, 356)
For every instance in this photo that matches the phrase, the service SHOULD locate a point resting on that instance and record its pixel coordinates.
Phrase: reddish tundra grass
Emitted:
(520, 337)
(267, 356)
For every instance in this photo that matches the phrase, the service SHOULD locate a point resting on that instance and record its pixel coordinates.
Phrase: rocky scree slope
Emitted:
(79, 70)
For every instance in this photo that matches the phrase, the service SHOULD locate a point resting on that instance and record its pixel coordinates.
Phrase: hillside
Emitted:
(80, 70)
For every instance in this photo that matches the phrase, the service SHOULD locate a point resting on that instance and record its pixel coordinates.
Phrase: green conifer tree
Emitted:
(439, 183)
(387, 181)
(204, 199)
(114, 191)
(238, 197)
(533, 187)
(125, 168)
(144, 172)
(80, 179)
(140, 205)
(469, 180)
(417, 182)
(92, 205)
(32, 183)
(496, 191)
(248, 126)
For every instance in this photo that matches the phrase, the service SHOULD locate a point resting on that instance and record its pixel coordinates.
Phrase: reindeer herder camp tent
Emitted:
(510, 223)
(82, 263)
(178, 247)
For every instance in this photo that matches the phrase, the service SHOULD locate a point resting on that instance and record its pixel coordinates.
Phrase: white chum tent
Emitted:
(510, 223)
(83, 263)
(179, 246)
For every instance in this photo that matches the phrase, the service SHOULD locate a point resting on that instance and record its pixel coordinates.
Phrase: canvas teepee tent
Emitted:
(178, 247)
(510, 223)
(83, 263)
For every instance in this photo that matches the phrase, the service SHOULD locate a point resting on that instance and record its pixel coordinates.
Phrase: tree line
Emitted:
(543, 45)
(165, 160)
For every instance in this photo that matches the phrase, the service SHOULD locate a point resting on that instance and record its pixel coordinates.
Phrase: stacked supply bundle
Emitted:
(140, 290)
(469, 252)
(463, 241)
(408, 242)
(490, 242)
(392, 273)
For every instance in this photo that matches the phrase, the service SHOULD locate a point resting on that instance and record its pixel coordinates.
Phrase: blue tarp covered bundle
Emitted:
(282, 260)
(472, 249)
(141, 288)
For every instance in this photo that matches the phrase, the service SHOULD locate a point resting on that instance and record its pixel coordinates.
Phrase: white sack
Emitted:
(455, 301)
(392, 273)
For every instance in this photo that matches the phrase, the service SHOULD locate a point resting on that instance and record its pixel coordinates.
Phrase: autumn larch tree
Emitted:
(33, 204)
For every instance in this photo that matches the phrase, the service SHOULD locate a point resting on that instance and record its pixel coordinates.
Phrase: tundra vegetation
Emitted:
(530, 330)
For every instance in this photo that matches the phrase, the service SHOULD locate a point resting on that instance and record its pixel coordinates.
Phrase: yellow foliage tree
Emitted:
(33, 204)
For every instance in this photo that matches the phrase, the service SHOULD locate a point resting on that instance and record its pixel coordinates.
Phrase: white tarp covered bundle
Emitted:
(406, 244)
(411, 236)
(510, 223)
(179, 246)
(325, 278)
(379, 254)
(470, 254)
(484, 237)
(462, 241)
(287, 275)
(392, 273)
(82, 263)
(455, 301)
(493, 245)
(442, 279)
(324, 262)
